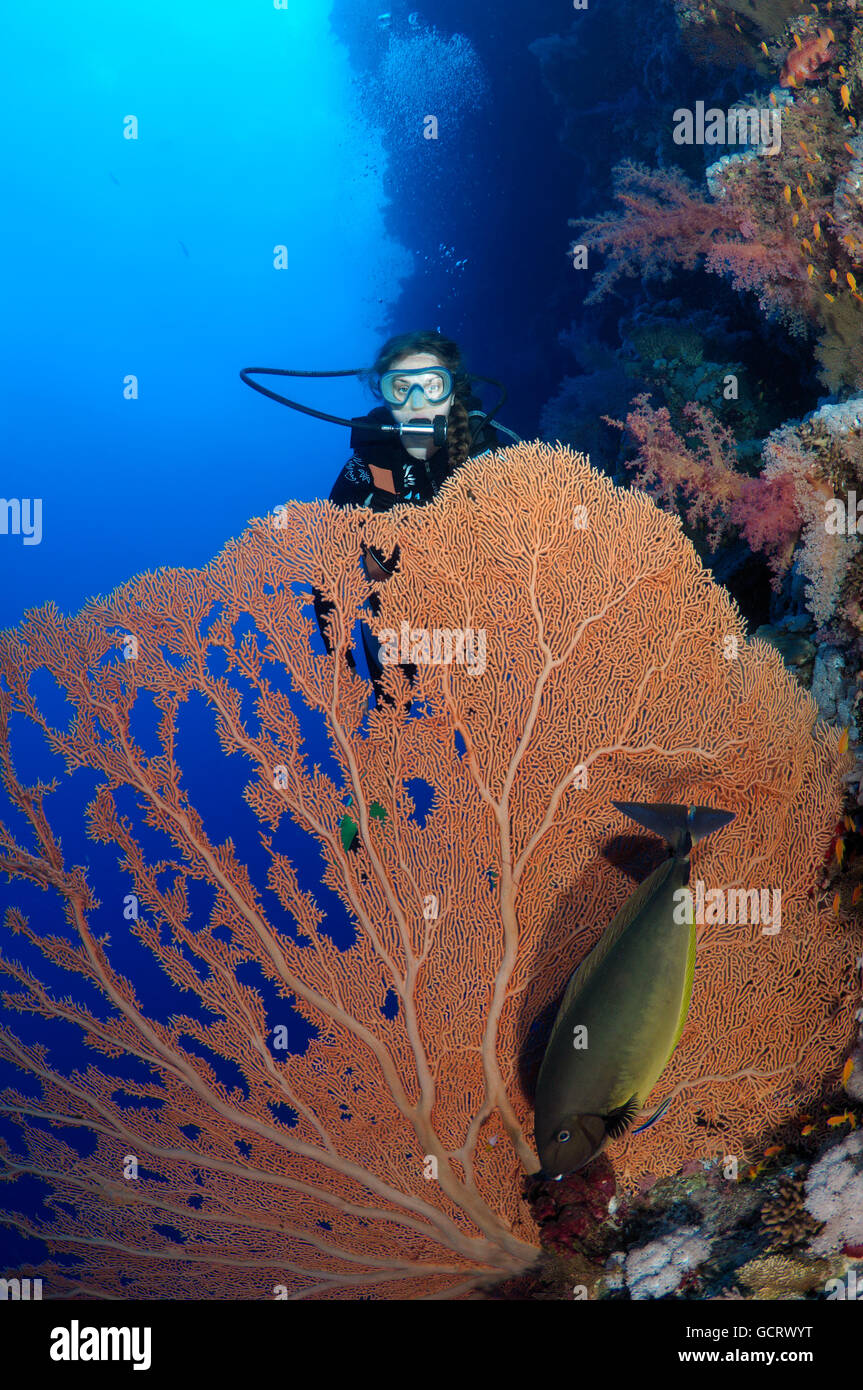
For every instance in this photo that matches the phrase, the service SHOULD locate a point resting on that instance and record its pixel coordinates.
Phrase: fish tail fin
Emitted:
(680, 826)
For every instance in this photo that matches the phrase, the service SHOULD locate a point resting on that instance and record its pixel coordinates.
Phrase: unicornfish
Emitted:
(625, 1006)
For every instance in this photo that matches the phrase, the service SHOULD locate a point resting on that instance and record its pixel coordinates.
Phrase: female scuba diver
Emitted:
(420, 376)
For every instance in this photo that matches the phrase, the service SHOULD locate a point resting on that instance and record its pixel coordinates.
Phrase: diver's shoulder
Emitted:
(354, 478)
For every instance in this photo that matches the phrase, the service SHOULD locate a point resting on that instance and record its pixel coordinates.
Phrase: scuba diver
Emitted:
(403, 451)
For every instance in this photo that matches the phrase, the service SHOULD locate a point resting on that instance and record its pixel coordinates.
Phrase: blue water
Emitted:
(153, 258)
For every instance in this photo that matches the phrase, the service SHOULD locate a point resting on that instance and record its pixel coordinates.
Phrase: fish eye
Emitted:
(564, 1136)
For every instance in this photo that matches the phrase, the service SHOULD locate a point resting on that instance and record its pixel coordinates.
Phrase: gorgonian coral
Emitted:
(382, 1154)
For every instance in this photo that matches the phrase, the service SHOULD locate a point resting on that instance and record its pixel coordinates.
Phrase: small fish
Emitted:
(810, 270)
(631, 995)
(348, 826)
(840, 852)
(843, 737)
(834, 276)
(807, 1129)
(347, 829)
(838, 1120)
(113, 179)
(764, 49)
(773, 1151)
(836, 902)
(845, 96)
(849, 148)
(185, 252)
(795, 218)
(657, 1115)
(831, 297)
(857, 894)
(816, 231)
(847, 1070)
(853, 283)
(786, 192)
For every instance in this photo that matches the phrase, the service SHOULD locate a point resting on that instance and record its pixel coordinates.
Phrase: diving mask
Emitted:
(435, 383)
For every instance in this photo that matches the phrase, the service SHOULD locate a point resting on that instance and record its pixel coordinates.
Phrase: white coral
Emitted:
(656, 1269)
(824, 558)
(841, 417)
(834, 1193)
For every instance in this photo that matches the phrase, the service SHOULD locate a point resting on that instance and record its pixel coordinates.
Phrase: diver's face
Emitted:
(416, 406)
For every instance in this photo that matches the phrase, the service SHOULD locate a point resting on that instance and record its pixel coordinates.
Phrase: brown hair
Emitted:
(446, 351)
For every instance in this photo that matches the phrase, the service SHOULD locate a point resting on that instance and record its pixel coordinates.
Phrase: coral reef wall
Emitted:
(384, 1157)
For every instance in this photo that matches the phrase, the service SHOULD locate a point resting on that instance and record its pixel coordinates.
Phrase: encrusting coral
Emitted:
(613, 667)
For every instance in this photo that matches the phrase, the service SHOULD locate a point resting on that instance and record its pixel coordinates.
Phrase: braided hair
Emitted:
(448, 353)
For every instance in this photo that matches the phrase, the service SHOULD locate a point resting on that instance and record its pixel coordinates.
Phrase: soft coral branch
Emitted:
(667, 223)
(698, 476)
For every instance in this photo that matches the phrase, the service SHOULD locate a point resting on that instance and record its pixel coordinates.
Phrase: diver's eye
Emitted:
(564, 1136)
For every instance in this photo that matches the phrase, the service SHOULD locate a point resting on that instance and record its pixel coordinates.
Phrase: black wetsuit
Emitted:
(364, 482)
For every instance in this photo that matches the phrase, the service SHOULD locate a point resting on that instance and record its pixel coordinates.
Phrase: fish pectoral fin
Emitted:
(657, 1115)
(619, 1120)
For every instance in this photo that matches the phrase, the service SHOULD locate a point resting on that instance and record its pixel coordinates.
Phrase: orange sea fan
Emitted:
(613, 668)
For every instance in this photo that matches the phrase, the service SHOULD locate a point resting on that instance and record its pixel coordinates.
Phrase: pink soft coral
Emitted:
(667, 223)
(699, 477)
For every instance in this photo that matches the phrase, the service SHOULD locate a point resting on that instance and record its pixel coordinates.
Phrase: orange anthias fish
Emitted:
(802, 63)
